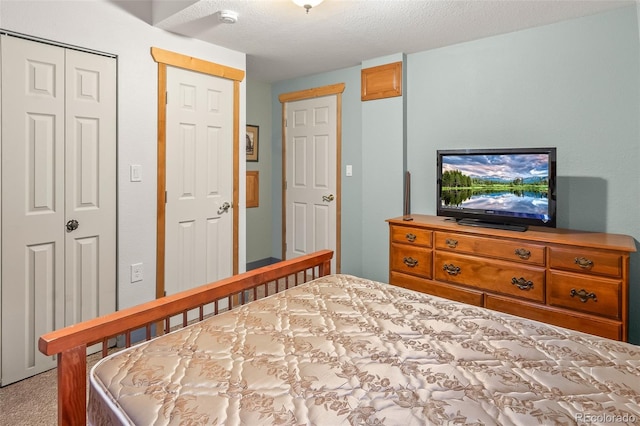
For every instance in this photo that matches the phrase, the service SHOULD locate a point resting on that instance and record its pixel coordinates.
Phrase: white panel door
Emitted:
(199, 179)
(58, 164)
(311, 176)
(90, 182)
(32, 203)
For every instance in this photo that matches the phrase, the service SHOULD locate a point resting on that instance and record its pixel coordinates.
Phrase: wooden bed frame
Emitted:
(70, 343)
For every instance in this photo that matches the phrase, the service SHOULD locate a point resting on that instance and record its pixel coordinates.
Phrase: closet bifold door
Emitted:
(58, 183)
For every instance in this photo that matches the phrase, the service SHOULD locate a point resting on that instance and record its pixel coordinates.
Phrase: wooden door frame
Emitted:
(331, 90)
(166, 58)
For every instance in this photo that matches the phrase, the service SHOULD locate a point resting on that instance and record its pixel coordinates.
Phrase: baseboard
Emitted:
(262, 262)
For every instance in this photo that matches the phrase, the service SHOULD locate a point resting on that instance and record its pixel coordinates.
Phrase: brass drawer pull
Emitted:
(523, 253)
(451, 269)
(411, 237)
(410, 262)
(451, 243)
(583, 295)
(522, 283)
(583, 262)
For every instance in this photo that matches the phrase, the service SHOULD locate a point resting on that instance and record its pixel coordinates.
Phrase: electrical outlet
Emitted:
(137, 272)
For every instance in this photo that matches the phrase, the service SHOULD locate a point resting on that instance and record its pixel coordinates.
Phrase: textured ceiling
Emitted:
(282, 41)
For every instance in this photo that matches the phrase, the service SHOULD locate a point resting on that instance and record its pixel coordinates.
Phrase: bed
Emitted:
(338, 349)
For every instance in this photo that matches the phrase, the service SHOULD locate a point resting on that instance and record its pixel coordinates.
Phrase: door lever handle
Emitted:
(224, 207)
(328, 198)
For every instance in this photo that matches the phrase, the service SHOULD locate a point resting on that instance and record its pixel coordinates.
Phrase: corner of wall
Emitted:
(383, 166)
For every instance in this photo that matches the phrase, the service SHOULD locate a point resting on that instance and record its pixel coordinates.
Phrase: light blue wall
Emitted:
(383, 166)
(259, 232)
(574, 85)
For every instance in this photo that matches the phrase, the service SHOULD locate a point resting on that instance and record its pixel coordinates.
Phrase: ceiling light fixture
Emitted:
(307, 4)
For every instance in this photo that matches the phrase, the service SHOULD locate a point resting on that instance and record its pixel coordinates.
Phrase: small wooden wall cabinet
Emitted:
(574, 279)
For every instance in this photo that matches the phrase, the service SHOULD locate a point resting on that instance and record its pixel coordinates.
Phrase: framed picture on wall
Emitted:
(252, 142)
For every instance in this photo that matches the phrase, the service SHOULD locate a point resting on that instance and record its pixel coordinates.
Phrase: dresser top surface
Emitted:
(534, 233)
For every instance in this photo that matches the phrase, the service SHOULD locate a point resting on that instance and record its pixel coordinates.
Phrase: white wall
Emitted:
(122, 29)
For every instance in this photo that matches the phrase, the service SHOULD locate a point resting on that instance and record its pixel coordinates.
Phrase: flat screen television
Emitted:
(508, 188)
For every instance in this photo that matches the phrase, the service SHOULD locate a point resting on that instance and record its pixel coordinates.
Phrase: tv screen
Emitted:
(499, 188)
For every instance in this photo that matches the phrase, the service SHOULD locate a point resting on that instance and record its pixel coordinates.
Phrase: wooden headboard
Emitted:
(70, 343)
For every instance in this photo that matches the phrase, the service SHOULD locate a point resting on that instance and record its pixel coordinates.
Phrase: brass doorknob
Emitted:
(328, 198)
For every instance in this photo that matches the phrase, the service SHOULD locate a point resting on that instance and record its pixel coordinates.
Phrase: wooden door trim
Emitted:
(166, 58)
(316, 92)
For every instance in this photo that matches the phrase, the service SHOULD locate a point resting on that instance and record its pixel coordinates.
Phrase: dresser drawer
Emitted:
(496, 276)
(414, 236)
(448, 291)
(600, 326)
(492, 247)
(597, 296)
(411, 260)
(586, 261)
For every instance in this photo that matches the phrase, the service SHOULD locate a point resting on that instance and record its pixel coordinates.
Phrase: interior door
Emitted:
(90, 182)
(311, 176)
(58, 166)
(33, 219)
(199, 179)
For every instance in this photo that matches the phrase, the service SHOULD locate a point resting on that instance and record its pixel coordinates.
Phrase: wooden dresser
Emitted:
(574, 279)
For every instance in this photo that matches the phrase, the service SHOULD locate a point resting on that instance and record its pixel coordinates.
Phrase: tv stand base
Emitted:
(492, 225)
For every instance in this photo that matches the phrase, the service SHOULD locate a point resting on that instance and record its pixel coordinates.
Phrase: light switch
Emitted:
(136, 173)
(349, 170)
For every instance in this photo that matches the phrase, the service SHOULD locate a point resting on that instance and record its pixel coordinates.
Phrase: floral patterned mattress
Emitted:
(345, 350)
